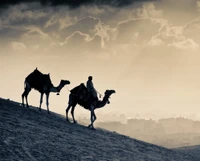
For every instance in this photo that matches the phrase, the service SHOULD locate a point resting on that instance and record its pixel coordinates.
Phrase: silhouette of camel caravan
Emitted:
(79, 95)
(42, 83)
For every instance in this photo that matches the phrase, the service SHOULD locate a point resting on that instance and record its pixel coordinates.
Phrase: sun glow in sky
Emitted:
(148, 51)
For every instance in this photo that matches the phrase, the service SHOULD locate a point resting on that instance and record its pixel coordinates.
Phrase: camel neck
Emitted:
(57, 89)
(103, 102)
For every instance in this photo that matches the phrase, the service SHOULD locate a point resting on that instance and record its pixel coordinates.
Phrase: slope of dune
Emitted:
(192, 150)
(28, 134)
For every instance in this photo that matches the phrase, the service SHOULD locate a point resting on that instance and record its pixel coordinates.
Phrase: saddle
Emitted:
(83, 95)
(88, 98)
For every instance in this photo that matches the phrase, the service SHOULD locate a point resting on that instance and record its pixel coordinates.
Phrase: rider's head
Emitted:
(90, 78)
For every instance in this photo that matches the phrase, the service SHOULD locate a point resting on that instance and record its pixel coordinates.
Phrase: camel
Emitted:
(79, 95)
(42, 83)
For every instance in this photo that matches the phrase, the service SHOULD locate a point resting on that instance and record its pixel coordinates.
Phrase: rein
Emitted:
(67, 89)
(99, 93)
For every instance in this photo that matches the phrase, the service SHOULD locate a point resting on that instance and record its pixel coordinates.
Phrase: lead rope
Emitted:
(99, 93)
(67, 89)
(71, 93)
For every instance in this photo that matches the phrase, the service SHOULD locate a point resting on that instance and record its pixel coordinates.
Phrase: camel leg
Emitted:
(25, 94)
(92, 117)
(47, 102)
(72, 112)
(41, 99)
(67, 110)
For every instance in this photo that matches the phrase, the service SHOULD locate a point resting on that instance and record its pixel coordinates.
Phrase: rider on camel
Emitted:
(91, 90)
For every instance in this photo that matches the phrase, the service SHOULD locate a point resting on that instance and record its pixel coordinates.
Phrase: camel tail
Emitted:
(25, 84)
(69, 100)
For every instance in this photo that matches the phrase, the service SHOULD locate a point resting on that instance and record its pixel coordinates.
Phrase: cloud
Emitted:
(139, 31)
(18, 46)
(34, 30)
(86, 37)
(23, 14)
(83, 24)
(185, 44)
(77, 43)
(63, 22)
(104, 31)
(75, 3)
(156, 42)
(148, 10)
(198, 5)
(102, 26)
(55, 25)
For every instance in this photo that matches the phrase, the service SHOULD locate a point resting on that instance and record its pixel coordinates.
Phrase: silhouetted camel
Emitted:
(42, 83)
(79, 95)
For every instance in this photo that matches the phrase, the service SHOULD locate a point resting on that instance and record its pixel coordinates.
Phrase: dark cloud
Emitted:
(138, 33)
(74, 3)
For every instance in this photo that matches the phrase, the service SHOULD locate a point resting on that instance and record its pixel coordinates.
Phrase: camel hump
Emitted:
(78, 88)
(36, 69)
(38, 80)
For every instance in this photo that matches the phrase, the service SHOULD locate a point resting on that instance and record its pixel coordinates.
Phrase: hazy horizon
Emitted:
(148, 51)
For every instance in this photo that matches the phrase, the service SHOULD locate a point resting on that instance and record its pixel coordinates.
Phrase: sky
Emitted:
(148, 51)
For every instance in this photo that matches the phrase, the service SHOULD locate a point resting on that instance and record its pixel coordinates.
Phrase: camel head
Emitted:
(64, 82)
(108, 93)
